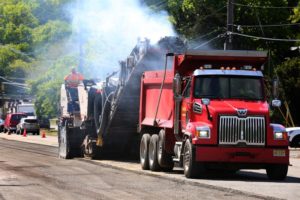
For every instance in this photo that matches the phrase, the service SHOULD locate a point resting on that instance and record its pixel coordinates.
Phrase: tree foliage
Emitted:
(28, 30)
(289, 73)
(16, 23)
(31, 33)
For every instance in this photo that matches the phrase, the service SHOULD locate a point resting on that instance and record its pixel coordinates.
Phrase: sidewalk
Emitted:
(36, 139)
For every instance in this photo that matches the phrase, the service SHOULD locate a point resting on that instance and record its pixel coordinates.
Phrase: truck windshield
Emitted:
(228, 87)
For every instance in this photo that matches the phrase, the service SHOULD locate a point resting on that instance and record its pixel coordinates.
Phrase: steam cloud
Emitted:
(109, 29)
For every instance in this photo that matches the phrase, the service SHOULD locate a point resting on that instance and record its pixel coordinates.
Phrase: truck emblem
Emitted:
(242, 112)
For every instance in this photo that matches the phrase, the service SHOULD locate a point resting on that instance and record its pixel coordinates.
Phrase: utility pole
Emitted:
(81, 41)
(230, 17)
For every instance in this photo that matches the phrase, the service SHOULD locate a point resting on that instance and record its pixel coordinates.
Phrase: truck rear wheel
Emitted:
(277, 171)
(164, 159)
(90, 149)
(153, 152)
(144, 151)
(192, 169)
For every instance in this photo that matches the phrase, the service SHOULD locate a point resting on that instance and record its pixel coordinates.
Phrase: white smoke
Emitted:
(109, 29)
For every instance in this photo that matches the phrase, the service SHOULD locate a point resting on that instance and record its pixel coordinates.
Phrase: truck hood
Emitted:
(232, 106)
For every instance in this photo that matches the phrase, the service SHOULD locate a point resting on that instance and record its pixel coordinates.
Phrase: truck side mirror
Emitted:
(205, 101)
(177, 85)
(275, 88)
(276, 103)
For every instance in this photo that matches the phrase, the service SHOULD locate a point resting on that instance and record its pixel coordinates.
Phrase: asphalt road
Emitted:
(33, 171)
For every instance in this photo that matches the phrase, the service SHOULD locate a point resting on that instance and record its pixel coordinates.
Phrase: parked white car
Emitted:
(31, 125)
(294, 136)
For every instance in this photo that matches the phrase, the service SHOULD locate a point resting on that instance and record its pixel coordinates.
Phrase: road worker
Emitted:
(71, 82)
(73, 79)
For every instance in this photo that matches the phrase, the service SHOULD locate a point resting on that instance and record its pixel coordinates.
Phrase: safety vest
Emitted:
(72, 80)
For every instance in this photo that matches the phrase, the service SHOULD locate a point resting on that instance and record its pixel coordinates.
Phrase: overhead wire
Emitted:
(261, 26)
(209, 41)
(17, 85)
(215, 30)
(207, 34)
(264, 25)
(264, 38)
(9, 82)
(265, 7)
(215, 12)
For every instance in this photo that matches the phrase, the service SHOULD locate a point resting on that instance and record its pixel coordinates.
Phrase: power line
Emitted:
(24, 86)
(216, 30)
(12, 82)
(209, 41)
(158, 4)
(212, 14)
(265, 7)
(207, 34)
(264, 38)
(264, 25)
(6, 79)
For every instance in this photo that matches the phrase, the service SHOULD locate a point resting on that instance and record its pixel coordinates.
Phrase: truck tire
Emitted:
(191, 168)
(153, 153)
(90, 149)
(296, 141)
(164, 159)
(277, 171)
(144, 151)
(63, 143)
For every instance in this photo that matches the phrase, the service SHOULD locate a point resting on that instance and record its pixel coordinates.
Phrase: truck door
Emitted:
(186, 104)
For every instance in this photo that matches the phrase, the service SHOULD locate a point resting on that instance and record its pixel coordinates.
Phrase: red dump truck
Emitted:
(210, 112)
(207, 111)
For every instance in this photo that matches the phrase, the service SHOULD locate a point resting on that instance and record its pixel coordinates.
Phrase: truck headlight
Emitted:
(203, 132)
(280, 135)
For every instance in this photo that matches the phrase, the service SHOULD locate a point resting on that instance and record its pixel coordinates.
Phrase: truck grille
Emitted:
(249, 130)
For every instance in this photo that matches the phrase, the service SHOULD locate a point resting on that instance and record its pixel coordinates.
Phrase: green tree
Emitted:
(50, 32)
(16, 25)
(289, 74)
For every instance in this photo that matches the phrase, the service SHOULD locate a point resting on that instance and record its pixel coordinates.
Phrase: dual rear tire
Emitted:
(153, 155)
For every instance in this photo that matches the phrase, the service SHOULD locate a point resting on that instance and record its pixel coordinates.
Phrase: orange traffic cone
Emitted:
(43, 134)
(24, 133)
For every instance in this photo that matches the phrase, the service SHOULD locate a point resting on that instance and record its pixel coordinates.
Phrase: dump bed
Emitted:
(150, 113)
